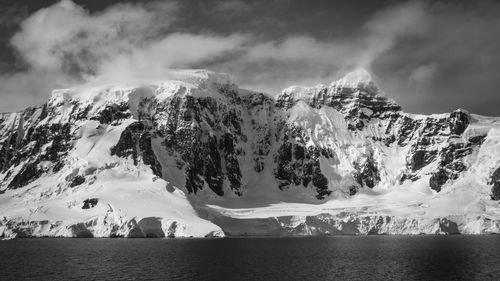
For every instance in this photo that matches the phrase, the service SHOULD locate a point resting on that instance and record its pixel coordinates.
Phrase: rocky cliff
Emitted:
(198, 156)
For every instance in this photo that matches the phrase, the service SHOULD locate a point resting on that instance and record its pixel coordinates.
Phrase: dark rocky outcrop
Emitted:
(447, 226)
(459, 121)
(135, 141)
(438, 179)
(151, 227)
(297, 164)
(353, 190)
(28, 148)
(77, 180)
(112, 113)
(451, 161)
(209, 157)
(495, 181)
(90, 203)
(366, 174)
(80, 230)
(421, 158)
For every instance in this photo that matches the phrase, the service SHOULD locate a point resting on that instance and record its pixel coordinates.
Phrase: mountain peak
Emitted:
(353, 87)
(189, 82)
(125, 160)
(203, 77)
(356, 78)
(359, 79)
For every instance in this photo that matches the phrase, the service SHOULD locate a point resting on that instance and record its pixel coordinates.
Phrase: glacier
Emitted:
(196, 156)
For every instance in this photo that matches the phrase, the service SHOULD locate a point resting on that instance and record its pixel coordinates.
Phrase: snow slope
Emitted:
(197, 156)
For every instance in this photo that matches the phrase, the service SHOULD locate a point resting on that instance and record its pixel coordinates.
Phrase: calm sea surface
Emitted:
(313, 258)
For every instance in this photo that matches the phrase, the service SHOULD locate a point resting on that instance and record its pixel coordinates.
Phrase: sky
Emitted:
(430, 56)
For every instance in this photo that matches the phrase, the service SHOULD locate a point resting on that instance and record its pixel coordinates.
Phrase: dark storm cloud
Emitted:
(430, 56)
(453, 63)
(10, 17)
(230, 8)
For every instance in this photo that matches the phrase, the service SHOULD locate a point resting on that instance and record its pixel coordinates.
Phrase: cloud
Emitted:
(21, 89)
(272, 65)
(64, 45)
(417, 49)
(420, 79)
(308, 60)
(233, 8)
(70, 45)
(11, 15)
(423, 73)
(451, 62)
(175, 51)
(384, 29)
(66, 37)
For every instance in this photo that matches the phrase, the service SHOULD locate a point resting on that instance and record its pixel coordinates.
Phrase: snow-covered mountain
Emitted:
(198, 156)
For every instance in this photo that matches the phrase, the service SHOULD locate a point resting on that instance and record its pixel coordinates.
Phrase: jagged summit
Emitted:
(358, 81)
(356, 78)
(202, 82)
(355, 95)
(204, 77)
(193, 82)
(194, 155)
(354, 84)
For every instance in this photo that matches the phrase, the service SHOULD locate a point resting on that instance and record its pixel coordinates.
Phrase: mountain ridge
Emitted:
(208, 158)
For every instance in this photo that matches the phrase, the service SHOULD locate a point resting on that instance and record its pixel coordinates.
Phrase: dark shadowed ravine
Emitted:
(308, 258)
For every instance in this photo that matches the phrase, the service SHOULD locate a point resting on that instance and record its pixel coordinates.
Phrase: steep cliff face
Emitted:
(170, 153)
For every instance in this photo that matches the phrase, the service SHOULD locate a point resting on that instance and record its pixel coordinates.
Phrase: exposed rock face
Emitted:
(90, 203)
(77, 180)
(451, 161)
(135, 142)
(495, 181)
(212, 135)
(359, 103)
(298, 164)
(459, 120)
(204, 136)
(32, 146)
(367, 174)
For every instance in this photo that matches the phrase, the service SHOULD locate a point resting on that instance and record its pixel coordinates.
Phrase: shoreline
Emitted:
(254, 236)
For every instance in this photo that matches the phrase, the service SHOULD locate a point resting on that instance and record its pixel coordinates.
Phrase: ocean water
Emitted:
(306, 258)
